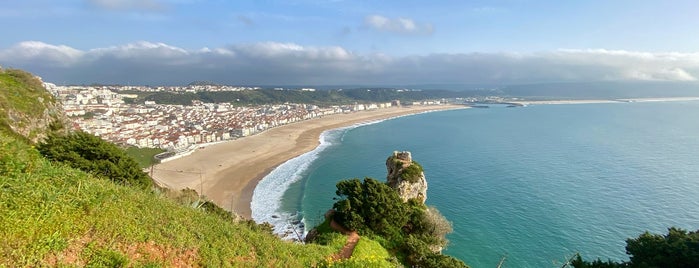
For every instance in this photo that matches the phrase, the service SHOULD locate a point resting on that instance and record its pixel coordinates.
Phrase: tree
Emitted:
(413, 230)
(678, 248)
(369, 206)
(94, 155)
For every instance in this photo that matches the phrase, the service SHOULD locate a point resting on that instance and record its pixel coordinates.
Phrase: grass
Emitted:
(373, 254)
(329, 237)
(53, 215)
(144, 156)
(20, 93)
(367, 253)
(412, 172)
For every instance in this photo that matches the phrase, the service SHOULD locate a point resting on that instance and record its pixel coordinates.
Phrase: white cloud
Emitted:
(398, 25)
(632, 65)
(274, 50)
(142, 49)
(289, 63)
(35, 51)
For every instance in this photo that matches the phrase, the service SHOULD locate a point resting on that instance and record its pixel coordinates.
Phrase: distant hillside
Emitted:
(603, 90)
(318, 97)
(26, 108)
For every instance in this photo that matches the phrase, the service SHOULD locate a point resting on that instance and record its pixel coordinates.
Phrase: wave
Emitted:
(267, 196)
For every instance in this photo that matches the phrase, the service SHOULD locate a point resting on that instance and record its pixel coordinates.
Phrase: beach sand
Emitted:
(228, 172)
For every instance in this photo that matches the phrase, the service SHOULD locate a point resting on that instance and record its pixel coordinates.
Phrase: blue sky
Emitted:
(351, 42)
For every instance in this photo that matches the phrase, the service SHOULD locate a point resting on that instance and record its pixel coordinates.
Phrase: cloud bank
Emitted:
(270, 63)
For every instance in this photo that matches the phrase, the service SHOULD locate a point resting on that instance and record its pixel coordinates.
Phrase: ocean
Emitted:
(533, 184)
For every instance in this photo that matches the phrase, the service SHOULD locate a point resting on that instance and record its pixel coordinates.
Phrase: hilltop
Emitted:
(26, 108)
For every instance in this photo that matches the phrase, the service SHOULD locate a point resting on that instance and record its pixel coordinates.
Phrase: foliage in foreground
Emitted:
(55, 215)
(678, 248)
(413, 231)
(91, 154)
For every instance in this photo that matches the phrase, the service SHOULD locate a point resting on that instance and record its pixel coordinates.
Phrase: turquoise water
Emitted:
(536, 184)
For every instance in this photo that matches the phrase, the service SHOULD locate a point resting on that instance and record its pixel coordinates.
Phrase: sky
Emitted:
(337, 42)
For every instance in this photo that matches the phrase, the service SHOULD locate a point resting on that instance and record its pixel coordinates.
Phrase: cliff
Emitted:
(406, 176)
(26, 108)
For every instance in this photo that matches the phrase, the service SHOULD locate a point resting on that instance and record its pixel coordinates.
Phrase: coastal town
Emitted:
(106, 111)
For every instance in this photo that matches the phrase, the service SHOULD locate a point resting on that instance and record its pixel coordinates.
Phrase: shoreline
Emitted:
(228, 172)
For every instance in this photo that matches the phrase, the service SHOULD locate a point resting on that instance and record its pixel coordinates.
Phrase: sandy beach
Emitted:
(228, 172)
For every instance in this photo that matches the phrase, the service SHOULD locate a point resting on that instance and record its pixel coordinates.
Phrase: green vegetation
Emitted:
(370, 249)
(60, 213)
(92, 154)
(370, 197)
(22, 99)
(412, 173)
(55, 215)
(367, 253)
(678, 248)
(410, 230)
(144, 156)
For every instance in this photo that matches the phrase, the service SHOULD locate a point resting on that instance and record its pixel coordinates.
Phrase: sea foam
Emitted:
(267, 196)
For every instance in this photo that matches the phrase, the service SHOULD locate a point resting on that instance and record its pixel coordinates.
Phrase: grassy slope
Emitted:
(20, 92)
(51, 215)
(367, 253)
(144, 156)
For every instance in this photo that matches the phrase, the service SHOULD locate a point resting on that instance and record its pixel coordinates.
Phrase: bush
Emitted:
(410, 229)
(369, 206)
(91, 154)
(678, 248)
(412, 173)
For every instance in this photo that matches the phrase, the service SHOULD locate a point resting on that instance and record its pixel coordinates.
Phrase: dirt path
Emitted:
(347, 250)
(352, 239)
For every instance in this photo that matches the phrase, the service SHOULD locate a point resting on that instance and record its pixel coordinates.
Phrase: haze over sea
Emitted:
(535, 184)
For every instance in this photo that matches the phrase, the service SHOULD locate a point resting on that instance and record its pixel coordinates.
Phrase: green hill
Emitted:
(52, 214)
(26, 108)
(55, 215)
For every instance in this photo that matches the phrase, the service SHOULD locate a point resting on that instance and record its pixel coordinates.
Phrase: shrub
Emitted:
(678, 248)
(410, 229)
(91, 154)
(369, 205)
(412, 173)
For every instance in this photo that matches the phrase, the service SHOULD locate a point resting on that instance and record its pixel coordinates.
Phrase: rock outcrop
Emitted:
(406, 176)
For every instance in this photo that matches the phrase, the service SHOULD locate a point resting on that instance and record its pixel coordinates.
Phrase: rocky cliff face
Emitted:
(406, 176)
(26, 107)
